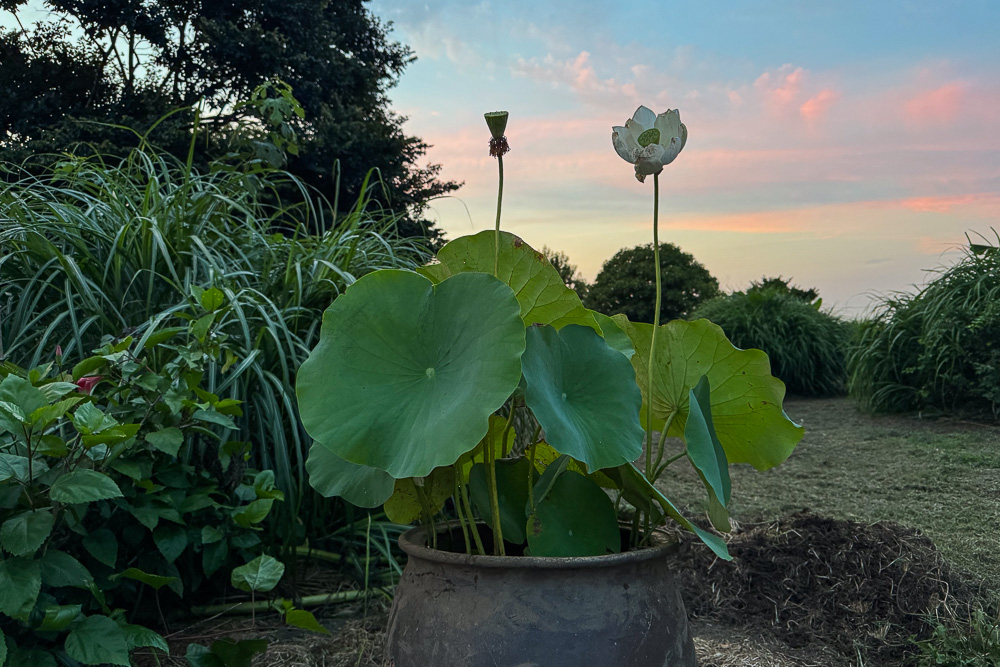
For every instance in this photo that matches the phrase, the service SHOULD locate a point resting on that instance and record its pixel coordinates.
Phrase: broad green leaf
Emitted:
(576, 518)
(20, 583)
(19, 392)
(359, 485)
(157, 337)
(211, 534)
(111, 435)
(703, 447)
(88, 366)
(545, 456)
(3, 649)
(12, 419)
(59, 569)
(139, 636)
(89, 419)
(58, 617)
(512, 496)
(212, 299)
(213, 417)
(300, 618)
(404, 505)
(47, 414)
(171, 540)
(102, 545)
(98, 640)
(548, 478)
(249, 515)
(645, 496)
(55, 390)
(543, 296)
(155, 580)
(613, 334)
(83, 486)
(584, 395)
(406, 373)
(259, 575)
(746, 398)
(167, 440)
(17, 467)
(24, 533)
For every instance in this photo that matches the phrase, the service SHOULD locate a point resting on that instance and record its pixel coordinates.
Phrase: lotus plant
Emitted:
(412, 392)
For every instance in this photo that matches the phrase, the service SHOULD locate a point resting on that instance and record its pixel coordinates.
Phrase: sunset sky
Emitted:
(846, 145)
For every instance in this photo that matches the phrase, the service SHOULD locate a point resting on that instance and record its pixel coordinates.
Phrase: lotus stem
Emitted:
(656, 325)
(489, 457)
(472, 519)
(496, 236)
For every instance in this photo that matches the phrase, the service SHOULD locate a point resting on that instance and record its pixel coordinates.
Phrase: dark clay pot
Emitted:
(456, 610)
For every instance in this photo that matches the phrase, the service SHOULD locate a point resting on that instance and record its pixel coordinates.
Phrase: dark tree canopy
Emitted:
(626, 284)
(783, 286)
(129, 62)
(567, 271)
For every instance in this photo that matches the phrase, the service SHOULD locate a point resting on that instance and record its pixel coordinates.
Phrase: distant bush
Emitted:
(938, 349)
(806, 346)
(626, 284)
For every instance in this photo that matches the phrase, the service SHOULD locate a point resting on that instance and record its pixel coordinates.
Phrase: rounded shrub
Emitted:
(937, 349)
(806, 346)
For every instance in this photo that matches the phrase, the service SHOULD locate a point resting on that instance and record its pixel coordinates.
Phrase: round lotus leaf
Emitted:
(576, 518)
(360, 485)
(745, 398)
(544, 297)
(406, 373)
(583, 393)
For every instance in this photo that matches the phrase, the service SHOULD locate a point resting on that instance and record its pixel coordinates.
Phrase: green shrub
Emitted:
(93, 247)
(119, 491)
(937, 349)
(806, 346)
(626, 284)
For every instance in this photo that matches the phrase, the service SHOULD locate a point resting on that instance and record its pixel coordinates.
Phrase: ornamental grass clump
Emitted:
(413, 390)
(937, 349)
(96, 246)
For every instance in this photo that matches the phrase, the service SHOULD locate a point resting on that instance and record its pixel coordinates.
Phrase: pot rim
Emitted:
(412, 542)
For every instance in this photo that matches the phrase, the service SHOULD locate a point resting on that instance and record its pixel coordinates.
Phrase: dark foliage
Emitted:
(128, 62)
(626, 284)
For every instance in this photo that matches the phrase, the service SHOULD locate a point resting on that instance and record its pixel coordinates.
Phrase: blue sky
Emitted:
(846, 145)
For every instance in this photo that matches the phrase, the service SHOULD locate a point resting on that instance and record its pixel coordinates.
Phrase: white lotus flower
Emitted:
(650, 142)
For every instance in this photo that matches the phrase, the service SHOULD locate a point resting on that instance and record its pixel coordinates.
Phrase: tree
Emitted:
(128, 62)
(626, 284)
(560, 261)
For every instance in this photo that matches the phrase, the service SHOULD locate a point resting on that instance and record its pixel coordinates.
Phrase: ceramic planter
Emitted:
(452, 609)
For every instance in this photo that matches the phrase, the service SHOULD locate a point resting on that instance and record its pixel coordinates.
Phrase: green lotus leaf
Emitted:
(745, 399)
(409, 496)
(707, 455)
(576, 518)
(583, 393)
(512, 496)
(614, 335)
(406, 373)
(540, 290)
(545, 456)
(360, 485)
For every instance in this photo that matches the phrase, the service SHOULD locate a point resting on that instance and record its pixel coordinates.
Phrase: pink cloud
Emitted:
(937, 106)
(947, 203)
(816, 107)
(781, 87)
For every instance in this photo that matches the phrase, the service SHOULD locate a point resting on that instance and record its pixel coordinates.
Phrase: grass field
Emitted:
(942, 477)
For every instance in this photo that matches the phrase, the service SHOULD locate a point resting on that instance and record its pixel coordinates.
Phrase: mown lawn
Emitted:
(942, 477)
